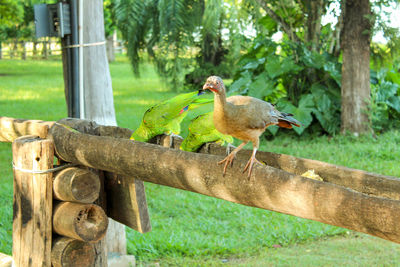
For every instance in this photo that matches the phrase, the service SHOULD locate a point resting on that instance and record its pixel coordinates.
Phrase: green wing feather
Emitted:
(166, 117)
(201, 131)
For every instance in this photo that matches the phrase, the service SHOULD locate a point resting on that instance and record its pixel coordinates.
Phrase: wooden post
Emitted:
(71, 252)
(32, 203)
(76, 185)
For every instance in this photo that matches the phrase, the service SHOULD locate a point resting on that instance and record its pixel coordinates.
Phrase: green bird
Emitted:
(201, 131)
(166, 117)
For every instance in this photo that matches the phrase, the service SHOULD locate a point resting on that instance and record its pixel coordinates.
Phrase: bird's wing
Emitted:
(252, 113)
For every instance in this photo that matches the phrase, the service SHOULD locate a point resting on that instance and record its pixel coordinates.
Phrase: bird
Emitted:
(166, 117)
(245, 118)
(201, 131)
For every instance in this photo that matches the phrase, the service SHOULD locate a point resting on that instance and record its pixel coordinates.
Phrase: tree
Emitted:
(355, 42)
(170, 32)
(11, 12)
(110, 27)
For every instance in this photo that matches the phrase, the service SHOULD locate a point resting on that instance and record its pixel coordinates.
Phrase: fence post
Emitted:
(32, 202)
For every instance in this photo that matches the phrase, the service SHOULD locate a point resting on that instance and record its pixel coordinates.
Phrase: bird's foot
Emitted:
(172, 136)
(250, 164)
(229, 148)
(228, 160)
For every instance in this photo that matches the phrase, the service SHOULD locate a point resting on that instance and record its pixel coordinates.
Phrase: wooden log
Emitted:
(268, 188)
(358, 180)
(32, 203)
(69, 252)
(11, 128)
(85, 222)
(361, 181)
(126, 203)
(76, 185)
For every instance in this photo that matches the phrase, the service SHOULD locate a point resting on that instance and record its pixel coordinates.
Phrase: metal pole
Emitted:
(74, 61)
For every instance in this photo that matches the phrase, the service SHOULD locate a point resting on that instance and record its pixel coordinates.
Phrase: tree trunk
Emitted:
(313, 30)
(34, 52)
(110, 48)
(355, 69)
(14, 51)
(23, 55)
(98, 99)
(44, 49)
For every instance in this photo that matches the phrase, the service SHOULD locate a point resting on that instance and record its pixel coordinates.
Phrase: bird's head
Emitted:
(215, 84)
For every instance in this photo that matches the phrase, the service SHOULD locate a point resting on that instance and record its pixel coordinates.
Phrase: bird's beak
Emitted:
(206, 86)
(209, 87)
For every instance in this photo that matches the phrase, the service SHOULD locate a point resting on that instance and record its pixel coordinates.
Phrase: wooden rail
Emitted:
(349, 198)
(268, 188)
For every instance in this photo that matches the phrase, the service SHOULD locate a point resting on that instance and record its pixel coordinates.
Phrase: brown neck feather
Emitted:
(220, 100)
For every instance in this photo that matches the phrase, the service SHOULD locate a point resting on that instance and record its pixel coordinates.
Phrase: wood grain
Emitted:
(32, 203)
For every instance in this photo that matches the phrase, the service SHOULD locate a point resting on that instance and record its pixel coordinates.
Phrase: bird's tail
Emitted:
(286, 120)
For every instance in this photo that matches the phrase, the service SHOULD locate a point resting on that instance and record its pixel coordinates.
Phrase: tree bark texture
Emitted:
(268, 187)
(32, 202)
(314, 11)
(355, 69)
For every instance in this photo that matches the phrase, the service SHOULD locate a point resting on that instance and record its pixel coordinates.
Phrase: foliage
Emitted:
(382, 54)
(181, 36)
(11, 12)
(20, 19)
(385, 99)
(280, 73)
(109, 17)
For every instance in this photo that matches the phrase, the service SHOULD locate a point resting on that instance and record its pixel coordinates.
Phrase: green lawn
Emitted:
(188, 227)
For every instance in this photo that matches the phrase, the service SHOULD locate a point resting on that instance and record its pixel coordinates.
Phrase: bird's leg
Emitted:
(171, 139)
(229, 148)
(229, 159)
(252, 160)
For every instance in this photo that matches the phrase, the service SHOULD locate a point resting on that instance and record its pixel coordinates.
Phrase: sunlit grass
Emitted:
(184, 223)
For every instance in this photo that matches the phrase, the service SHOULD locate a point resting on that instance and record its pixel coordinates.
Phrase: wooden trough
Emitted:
(349, 198)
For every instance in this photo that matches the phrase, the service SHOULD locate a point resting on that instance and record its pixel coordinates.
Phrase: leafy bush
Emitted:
(301, 82)
(385, 99)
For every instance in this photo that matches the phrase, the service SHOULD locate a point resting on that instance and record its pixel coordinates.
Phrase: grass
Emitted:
(188, 227)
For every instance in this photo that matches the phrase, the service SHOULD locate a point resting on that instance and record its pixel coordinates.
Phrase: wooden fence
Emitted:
(354, 199)
(43, 49)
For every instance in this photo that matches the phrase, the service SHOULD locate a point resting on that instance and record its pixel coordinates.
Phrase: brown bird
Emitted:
(245, 118)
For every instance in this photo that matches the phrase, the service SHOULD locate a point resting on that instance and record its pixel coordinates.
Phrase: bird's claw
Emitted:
(228, 160)
(249, 166)
(172, 137)
(229, 148)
